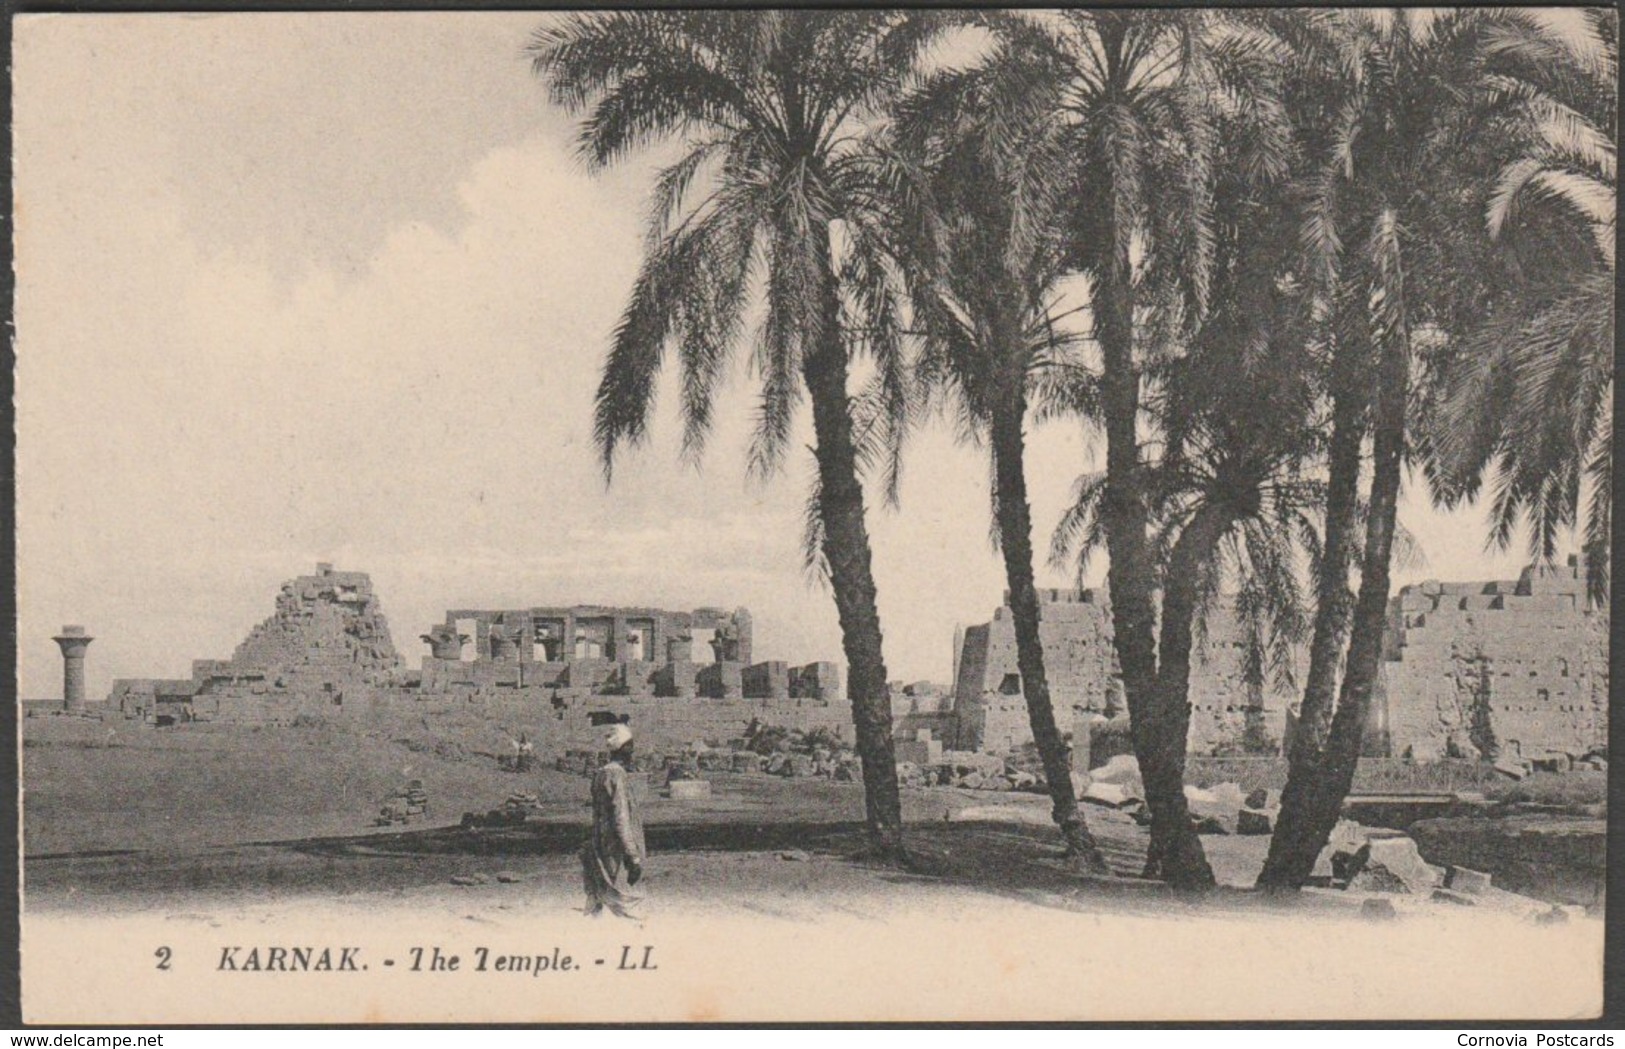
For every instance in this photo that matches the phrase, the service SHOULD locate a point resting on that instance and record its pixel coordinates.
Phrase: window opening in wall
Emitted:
(469, 628)
(702, 650)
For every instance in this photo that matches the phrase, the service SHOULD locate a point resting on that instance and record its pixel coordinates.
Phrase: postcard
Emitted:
(813, 515)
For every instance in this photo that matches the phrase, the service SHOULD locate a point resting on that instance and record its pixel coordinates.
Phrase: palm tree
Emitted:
(981, 261)
(767, 106)
(1397, 107)
(1232, 496)
(1528, 396)
(1133, 93)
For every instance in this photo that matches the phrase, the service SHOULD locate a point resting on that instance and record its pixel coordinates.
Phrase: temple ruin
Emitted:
(1507, 668)
(327, 652)
(1513, 667)
(326, 647)
(1228, 713)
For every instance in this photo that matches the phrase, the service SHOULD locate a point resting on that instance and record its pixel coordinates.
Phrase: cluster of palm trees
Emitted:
(1311, 247)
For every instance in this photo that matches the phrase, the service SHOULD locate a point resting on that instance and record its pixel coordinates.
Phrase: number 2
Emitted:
(162, 954)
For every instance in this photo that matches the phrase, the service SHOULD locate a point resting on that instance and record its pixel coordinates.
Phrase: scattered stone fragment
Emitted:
(1392, 864)
(1554, 916)
(1378, 909)
(1214, 811)
(1113, 794)
(509, 877)
(1451, 896)
(1122, 769)
(1551, 762)
(1511, 768)
(795, 855)
(1378, 879)
(469, 879)
(1347, 862)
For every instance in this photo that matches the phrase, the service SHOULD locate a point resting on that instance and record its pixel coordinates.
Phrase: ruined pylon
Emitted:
(73, 641)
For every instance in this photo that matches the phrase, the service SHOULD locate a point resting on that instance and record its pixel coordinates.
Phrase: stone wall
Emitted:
(1508, 668)
(1470, 670)
(1080, 662)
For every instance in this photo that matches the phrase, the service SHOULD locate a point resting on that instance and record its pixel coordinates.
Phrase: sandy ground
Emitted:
(760, 907)
(751, 936)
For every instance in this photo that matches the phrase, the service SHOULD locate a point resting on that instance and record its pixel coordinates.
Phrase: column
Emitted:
(73, 641)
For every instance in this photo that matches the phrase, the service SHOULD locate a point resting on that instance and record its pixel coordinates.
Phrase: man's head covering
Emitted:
(617, 737)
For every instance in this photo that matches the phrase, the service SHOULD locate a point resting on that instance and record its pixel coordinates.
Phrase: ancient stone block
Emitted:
(1256, 821)
(1451, 896)
(770, 680)
(1465, 879)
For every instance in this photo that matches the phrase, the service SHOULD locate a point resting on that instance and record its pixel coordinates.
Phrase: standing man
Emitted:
(612, 858)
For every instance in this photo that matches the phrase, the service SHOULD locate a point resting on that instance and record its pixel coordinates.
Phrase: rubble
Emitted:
(1460, 899)
(408, 803)
(1215, 810)
(1466, 880)
(1511, 768)
(1122, 769)
(1113, 795)
(1257, 821)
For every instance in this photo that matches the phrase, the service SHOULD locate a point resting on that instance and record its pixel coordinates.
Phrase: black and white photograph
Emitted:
(813, 515)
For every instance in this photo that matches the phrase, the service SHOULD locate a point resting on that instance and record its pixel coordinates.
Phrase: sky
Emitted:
(333, 287)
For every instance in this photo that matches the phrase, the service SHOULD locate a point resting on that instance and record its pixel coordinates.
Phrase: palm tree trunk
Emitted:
(1159, 743)
(1195, 546)
(1015, 542)
(846, 549)
(1328, 781)
(1295, 845)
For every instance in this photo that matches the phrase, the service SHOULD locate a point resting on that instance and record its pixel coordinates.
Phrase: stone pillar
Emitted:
(73, 641)
(445, 643)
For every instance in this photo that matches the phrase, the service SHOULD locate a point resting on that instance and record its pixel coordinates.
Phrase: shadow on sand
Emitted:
(1013, 861)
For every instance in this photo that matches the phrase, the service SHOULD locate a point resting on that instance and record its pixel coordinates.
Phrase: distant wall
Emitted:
(1470, 670)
